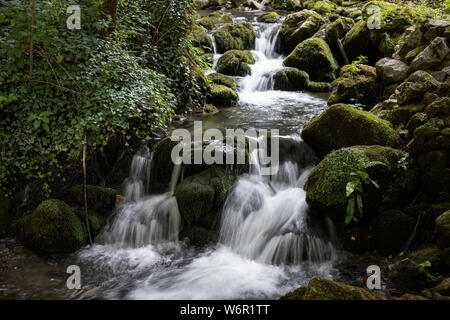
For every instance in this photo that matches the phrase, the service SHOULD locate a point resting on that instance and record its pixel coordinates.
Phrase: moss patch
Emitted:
(238, 36)
(235, 63)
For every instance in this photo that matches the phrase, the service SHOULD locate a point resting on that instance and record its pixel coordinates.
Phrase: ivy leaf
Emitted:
(350, 210)
(350, 188)
(360, 203)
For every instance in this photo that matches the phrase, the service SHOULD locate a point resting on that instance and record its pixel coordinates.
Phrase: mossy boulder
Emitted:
(100, 199)
(443, 227)
(357, 84)
(298, 27)
(432, 56)
(238, 36)
(214, 18)
(235, 63)
(222, 79)
(324, 289)
(314, 86)
(401, 115)
(413, 89)
(222, 96)
(201, 196)
(269, 17)
(343, 126)
(288, 5)
(297, 294)
(326, 187)
(435, 256)
(439, 108)
(313, 56)
(408, 276)
(336, 30)
(324, 7)
(201, 39)
(96, 220)
(291, 79)
(51, 228)
(391, 230)
(391, 70)
(163, 162)
(356, 41)
(198, 235)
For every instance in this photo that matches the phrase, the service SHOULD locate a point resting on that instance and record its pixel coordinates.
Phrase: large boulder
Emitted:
(443, 227)
(222, 79)
(215, 18)
(413, 89)
(406, 276)
(391, 70)
(432, 56)
(324, 289)
(342, 126)
(238, 36)
(201, 196)
(435, 257)
(222, 96)
(288, 5)
(313, 56)
(235, 63)
(357, 84)
(51, 228)
(291, 79)
(269, 17)
(337, 30)
(298, 27)
(327, 185)
(356, 41)
(201, 39)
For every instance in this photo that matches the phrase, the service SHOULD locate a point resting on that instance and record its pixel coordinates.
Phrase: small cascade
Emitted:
(342, 50)
(144, 219)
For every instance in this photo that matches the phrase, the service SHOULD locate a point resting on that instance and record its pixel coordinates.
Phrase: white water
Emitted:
(267, 246)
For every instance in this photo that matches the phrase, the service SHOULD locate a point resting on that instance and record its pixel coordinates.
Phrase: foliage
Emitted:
(58, 85)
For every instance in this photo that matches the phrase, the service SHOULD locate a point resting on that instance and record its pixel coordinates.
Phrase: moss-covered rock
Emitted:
(357, 40)
(336, 30)
(298, 27)
(215, 18)
(442, 288)
(326, 192)
(238, 36)
(413, 89)
(96, 220)
(235, 63)
(297, 294)
(222, 79)
(163, 161)
(200, 197)
(314, 86)
(100, 199)
(443, 227)
(432, 56)
(51, 228)
(324, 289)
(402, 115)
(313, 56)
(408, 276)
(357, 84)
(291, 79)
(342, 126)
(391, 230)
(288, 5)
(222, 96)
(324, 7)
(269, 17)
(440, 108)
(412, 54)
(198, 235)
(201, 39)
(435, 256)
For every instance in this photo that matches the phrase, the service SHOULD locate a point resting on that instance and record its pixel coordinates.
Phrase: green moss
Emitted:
(201, 39)
(288, 5)
(402, 115)
(222, 96)
(324, 7)
(96, 221)
(222, 79)
(337, 29)
(209, 108)
(413, 53)
(291, 79)
(440, 108)
(100, 199)
(424, 139)
(235, 63)
(270, 17)
(238, 36)
(297, 294)
(319, 86)
(51, 228)
(342, 126)
(313, 56)
(325, 289)
(215, 18)
(356, 41)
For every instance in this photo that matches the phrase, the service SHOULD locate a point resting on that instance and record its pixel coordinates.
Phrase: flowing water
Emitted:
(267, 243)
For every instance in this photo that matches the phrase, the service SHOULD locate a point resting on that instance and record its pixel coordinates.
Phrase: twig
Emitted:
(85, 189)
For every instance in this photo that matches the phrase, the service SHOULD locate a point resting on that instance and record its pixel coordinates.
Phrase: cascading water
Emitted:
(267, 246)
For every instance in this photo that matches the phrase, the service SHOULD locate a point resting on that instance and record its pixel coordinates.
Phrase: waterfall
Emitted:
(144, 219)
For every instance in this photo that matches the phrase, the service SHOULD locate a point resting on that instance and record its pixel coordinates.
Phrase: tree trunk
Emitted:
(111, 5)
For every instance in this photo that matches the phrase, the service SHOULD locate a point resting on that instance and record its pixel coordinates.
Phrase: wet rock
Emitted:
(237, 36)
(342, 126)
(235, 63)
(269, 17)
(313, 56)
(201, 39)
(198, 235)
(324, 289)
(357, 84)
(432, 56)
(408, 276)
(391, 70)
(314, 86)
(215, 18)
(51, 228)
(288, 5)
(443, 227)
(222, 96)
(357, 40)
(435, 256)
(297, 294)
(413, 89)
(100, 199)
(222, 79)
(291, 79)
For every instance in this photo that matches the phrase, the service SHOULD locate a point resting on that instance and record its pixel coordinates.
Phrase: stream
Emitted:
(267, 244)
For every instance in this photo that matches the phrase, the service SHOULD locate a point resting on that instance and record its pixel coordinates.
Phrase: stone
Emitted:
(291, 79)
(413, 89)
(324, 289)
(391, 70)
(406, 275)
(235, 63)
(222, 96)
(432, 56)
(237, 36)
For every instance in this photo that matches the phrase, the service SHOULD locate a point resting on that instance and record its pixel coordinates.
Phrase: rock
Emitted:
(443, 227)
(406, 276)
(237, 36)
(215, 18)
(356, 41)
(163, 162)
(391, 230)
(298, 27)
(342, 126)
(408, 296)
(433, 255)
(201, 196)
(198, 235)
(414, 122)
(209, 108)
(324, 289)
(336, 30)
(442, 288)
(235, 63)
(100, 199)
(413, 89)
(432, 56)
(222, 96)
(297, 294)
(291, 79)
(327, 184)
(442, 75)
(413, 37)
(51, 228)
(288, 5)
(411, 55)
(357, 84)
(313, 56)
(324, 7)
(200, 4)
(436, 28)
(439, 108)
(201, 39)
(402, 115)
(269, 17)
(222, 79)
(381, 108)
(319, 86)
(391, 70)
